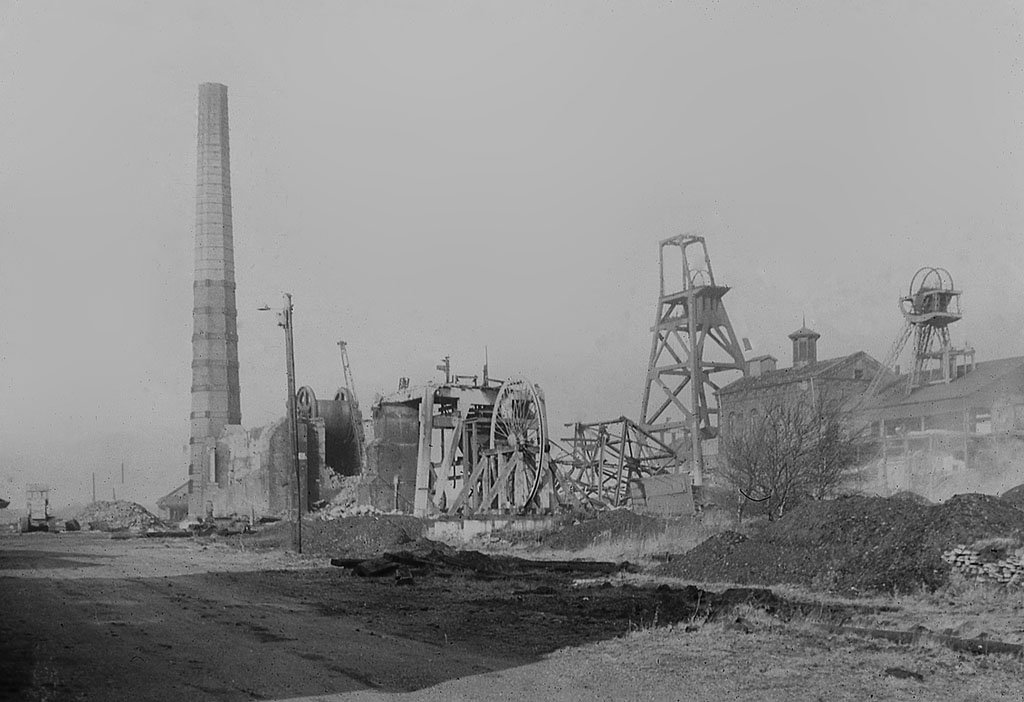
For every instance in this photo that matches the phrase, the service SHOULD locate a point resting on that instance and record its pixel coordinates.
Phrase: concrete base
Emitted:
(463, 530)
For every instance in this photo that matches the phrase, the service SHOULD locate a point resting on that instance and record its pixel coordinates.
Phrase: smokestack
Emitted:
(215, 393)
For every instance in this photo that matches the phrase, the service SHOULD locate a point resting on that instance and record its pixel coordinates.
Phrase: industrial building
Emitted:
(843, 379)
(947, 425)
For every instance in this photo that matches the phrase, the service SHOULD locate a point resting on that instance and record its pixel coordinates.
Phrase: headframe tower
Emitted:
(693, 341)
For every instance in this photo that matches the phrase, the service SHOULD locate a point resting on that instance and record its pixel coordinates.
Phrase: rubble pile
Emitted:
(331, 512)
(853, 545)
(345, 503)
(989, 562)
(118, 515)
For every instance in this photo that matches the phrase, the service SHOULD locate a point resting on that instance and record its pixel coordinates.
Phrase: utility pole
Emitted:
(285, 320)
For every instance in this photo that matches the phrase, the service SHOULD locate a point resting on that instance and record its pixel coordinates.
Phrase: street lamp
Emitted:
(284, 319)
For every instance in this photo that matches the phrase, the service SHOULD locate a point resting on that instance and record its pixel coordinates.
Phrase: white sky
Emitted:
(429, 178)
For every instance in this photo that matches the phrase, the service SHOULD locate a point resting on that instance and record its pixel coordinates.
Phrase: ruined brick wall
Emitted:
(392, 454)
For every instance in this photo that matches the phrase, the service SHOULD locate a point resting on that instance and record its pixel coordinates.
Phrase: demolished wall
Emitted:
(389, 481)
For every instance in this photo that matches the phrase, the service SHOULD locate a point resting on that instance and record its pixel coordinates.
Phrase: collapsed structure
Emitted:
(462, 447)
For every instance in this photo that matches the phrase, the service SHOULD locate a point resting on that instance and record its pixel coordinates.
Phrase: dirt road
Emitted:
(94, 618)
(90, 618)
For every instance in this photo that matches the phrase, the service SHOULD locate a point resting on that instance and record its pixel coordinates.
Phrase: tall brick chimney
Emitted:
(215, 392)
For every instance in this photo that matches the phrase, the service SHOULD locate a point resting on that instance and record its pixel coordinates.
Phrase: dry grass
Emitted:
(679, 536)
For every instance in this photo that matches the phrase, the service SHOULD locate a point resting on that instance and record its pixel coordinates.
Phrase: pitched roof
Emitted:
(177, 497)
(784, 376)
(985, 375)
(804, 331)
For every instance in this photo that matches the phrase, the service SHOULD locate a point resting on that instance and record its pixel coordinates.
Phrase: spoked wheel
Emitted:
(519, 424)
(305, 402)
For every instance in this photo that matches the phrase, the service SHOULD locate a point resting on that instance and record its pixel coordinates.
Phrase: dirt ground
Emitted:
(88, 617)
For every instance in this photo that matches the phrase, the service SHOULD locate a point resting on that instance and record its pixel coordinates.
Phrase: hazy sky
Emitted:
(428, 178)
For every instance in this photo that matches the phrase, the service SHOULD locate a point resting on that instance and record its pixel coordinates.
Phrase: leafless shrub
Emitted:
(792, 451)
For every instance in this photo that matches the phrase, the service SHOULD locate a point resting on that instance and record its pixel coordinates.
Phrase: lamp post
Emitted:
(284, 319)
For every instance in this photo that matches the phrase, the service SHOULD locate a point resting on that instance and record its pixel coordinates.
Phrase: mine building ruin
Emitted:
(461, 448)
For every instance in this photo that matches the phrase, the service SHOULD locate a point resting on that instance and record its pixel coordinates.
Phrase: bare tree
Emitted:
(791, 451)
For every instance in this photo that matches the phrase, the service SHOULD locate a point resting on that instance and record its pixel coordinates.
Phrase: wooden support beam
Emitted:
(423, 467)
(504, 469)
(468, 484)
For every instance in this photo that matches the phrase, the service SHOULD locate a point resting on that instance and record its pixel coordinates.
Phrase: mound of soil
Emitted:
(362, 536)
(118, 515)
(423, 557)
(911, 496)
(606, 526)
(1014, 496)
(853, 544)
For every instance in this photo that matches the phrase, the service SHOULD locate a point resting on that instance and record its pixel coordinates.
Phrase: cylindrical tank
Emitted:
(343, 434)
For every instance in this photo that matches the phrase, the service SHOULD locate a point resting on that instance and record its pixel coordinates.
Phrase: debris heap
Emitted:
(118, 515)
(854, 545)
(345, 502)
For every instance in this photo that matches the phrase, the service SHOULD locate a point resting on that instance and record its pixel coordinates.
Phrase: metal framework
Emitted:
(599, 465)
(350, 382)
(931, 304)
(693, 341)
